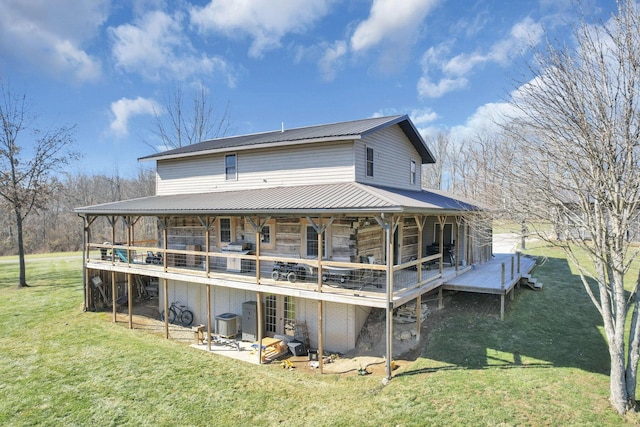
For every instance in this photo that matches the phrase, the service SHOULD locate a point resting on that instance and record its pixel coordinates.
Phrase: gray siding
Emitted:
(319, 163)
(392, 159)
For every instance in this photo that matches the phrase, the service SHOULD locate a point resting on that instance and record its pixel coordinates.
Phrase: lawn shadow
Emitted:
(556, 327)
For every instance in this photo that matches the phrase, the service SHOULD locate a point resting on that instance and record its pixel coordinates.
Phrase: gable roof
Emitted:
(344, 131)
(346, 198)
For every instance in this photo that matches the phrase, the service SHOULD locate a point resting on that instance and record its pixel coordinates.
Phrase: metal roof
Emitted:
(328, 132)
(344, 198)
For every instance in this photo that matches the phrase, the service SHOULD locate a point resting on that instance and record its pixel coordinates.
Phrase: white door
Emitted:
(280, 316)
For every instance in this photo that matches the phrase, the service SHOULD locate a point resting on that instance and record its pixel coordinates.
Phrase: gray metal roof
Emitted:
(334, 131)
(299, 200)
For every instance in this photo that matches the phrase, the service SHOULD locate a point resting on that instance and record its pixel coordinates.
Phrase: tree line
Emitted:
(53, 227)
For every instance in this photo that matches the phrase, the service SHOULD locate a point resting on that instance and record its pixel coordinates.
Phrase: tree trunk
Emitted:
(618, 386)
(23, 274)
(631, 376)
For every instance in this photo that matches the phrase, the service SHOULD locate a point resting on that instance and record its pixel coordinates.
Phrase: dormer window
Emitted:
(413, 172)
(230, 167)
(369, 164)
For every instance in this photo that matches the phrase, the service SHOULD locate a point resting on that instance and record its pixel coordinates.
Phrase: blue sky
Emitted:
(106, 65)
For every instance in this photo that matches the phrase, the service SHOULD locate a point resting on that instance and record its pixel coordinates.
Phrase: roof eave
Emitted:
(248, 147)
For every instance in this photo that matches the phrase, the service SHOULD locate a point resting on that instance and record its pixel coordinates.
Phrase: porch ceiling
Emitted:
(342, 198)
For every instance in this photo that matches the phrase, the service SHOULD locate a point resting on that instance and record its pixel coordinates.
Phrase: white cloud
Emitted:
(155, 46)
(453, 72)
(429, 89)
(390, 20)
(421, 117)
(51, 35)
(266, 22)
(484, 121)
(125, 108)
(332, 59)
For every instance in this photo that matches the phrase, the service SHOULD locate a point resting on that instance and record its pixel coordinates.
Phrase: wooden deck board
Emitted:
(487, 278)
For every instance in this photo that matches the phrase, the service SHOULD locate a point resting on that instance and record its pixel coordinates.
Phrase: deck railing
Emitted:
(285, 271)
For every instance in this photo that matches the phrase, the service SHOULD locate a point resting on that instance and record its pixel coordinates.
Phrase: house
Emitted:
(318, 224)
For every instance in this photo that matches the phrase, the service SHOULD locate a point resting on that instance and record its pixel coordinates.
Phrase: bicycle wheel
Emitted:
(172, 315)
(186, 317)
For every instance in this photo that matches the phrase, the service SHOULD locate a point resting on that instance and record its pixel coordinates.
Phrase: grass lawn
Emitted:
(546, 364)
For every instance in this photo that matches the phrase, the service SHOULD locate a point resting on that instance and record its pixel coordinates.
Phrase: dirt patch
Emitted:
(369, 354)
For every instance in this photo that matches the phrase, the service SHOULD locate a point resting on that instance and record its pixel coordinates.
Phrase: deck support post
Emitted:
(512, 268)
(165, 286)
(503, 293)
(130, 299)
(208, 317)
(114, 289)
(440, 301)
(389, 225)
(320, 337)
(320, 305)
(420, 221)
(441, 220)
(259, 315)
(459, 221)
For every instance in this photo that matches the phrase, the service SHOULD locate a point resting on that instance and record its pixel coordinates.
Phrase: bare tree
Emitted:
(573, 165)
(436, 174)
(178, 125)
(27, 179)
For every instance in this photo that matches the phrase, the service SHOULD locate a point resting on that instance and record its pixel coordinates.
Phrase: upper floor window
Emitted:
(266, 234)
(312, 242)
(225, 230)
(369, 164)
(413, 172)
(230, 167)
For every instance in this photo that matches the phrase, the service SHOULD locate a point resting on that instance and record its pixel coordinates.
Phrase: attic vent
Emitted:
(282, 128)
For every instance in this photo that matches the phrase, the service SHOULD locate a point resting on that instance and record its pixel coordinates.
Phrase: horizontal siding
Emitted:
(393, 153)
(319, 163)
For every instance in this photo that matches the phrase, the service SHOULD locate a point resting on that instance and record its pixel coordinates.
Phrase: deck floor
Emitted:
(487, 277)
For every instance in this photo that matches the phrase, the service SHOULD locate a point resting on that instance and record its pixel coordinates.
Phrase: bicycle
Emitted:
(180, 313)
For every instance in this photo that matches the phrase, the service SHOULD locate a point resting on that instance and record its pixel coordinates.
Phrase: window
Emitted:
(271, 314)
(266, 235)
(230, 167)
(289, 316)
(413, 172)
(312, 242)
(369, 165)
(225, 230)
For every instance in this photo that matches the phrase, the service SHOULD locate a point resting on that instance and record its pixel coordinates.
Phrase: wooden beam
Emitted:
(208, 317)
(260, 325)
(320, 338)
(113, 296)
(130, 299)
(442, 219)
(165, 285)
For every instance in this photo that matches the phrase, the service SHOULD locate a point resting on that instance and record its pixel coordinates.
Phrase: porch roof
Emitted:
(341, 198)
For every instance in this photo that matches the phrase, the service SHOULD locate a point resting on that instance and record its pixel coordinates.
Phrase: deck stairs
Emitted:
(531, 282)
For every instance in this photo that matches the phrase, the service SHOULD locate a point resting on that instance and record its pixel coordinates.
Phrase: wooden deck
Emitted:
(498, 276)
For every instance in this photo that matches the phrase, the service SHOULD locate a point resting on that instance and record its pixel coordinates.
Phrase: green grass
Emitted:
(546, 364)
